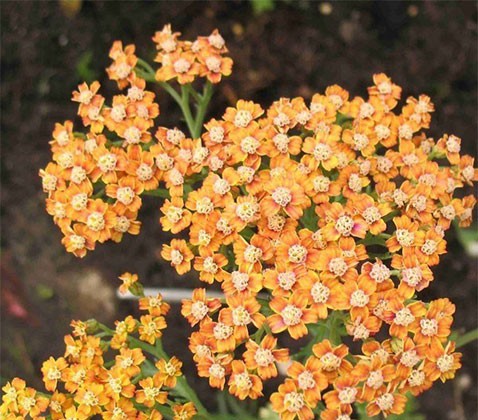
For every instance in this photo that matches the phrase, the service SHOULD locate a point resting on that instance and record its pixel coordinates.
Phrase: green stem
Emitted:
(145, 75)
(188, 116)
(145, 71)
(182, 386)
(323, 330)
(467, 338)
(202, 108)
(158, 193)
(145, 65)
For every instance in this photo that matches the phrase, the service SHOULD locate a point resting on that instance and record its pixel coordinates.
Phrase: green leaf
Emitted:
(466, 338)
(44, 292)
(84, 69)
(261, 6)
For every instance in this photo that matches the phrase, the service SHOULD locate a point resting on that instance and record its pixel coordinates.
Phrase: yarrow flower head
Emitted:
(318, 217)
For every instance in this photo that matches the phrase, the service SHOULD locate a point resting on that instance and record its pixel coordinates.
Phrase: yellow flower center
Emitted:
(90, 399)
(404, 317)
(384, 88)
(416, 377)
(175, 177)
(78, 175)
(405, 237)
(286, 280)
(122, 224)
(118, 113)
(263, 357)
(344, 225)
(240, 316)
(222, 331)
(242, 380)
(176, 257)
(174, 136)
(49, 182)
(240, 280)
(453, 144)
(249, 145)
(281, 120)
(242, 118)
(252, 254)
(330, 362)
(297, 254)
(306, 380)
(144, 172)
(125, 195)
(375, 379)
(132, 135)
(429, 247)
(213, 64)
(223, 226)
(320, 292)
(79, 201)
(135, 93)
(151, 392)
(174, 214)
(53, 374)
(85, 97)
(204, 205)
(468, 173)
(336, 100)
(409, 358)
(293, 402)
(355, 183)
(429, 327)
(95, 221)
(247, 211)
(405, 132)
(281, 142)
(338, 266)
(412, 276)
(382, 131)
(359, 141)
(199, 310)
(322, 152)
(217, 371)
(107, 162)
(276, 222)
(210, 266)
(292, 315)
(366, 110)
(321, 184)
(221, 186)
(181, 65)
(359, 299)
(445, 363)
(216, 134)
(347, 395)
(282, 196)
(385, 401)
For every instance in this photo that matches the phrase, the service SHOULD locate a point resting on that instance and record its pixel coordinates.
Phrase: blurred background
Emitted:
(280, 48)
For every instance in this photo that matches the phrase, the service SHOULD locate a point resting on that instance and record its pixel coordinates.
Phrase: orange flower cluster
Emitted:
(96, 180)
(320, 218)
(184, 61)
(140, 382)
(307, 204)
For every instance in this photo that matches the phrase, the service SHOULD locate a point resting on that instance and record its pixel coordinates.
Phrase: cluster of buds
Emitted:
(318, 219)
(119, 374)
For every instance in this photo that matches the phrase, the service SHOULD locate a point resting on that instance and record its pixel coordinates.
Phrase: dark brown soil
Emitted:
(291, 50)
